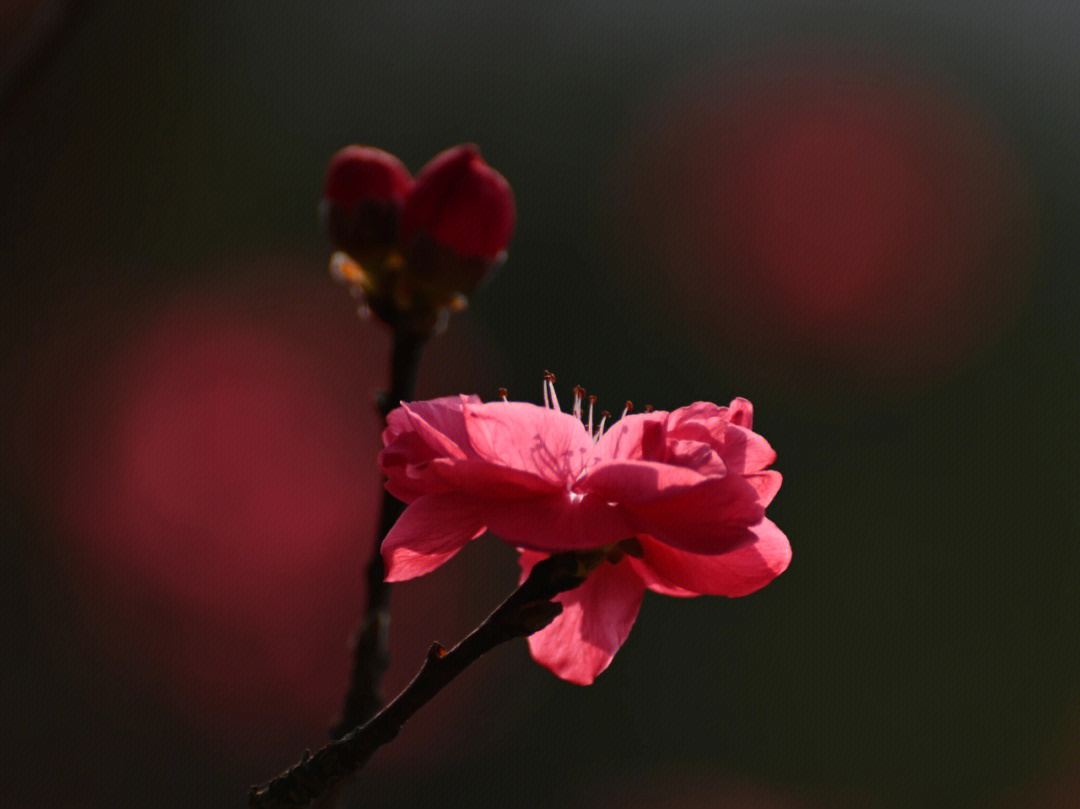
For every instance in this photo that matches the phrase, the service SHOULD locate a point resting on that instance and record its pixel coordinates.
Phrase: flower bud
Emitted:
(363, 193)
(413, 251)
(461, 203)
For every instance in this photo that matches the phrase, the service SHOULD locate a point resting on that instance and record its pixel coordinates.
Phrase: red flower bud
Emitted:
(358, 173)
(414, 250)
(362, 197)
(460, 202)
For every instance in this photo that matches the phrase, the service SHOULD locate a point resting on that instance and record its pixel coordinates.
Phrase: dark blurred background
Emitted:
(862, 217)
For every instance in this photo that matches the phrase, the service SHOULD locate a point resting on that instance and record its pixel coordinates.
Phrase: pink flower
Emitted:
(691, 486)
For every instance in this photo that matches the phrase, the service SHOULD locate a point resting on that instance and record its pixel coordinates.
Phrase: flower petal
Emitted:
(428, 533)
(766, 483)
(405, 489)
(404, 447)
(710, 518)
(696, 413)
(482, 479)
(639, 436)
(595, 622)
(445, 415)
(695, 455)
(637, 481)
(741, 413)
(746, 450)
(410, 441)
(556, 522)
(522, 436)
(742, 571)
(742, 450)
(428, 452)
(448, 439)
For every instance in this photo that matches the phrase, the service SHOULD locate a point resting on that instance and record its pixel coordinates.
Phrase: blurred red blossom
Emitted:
(823, 214)
(218, 504)
(678, 499)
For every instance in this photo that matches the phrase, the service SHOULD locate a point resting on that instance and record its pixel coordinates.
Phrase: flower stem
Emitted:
(528, 609)
(371, 657)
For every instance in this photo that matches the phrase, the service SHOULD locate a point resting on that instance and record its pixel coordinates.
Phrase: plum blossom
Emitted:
(679, 497)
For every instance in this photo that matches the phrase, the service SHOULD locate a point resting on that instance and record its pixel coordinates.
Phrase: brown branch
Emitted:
(528, 609)
(371, 658)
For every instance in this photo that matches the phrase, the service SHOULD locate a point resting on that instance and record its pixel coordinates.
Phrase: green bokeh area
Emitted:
(922, 648)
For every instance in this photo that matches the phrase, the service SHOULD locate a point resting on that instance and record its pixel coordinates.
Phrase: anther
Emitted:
(648, 408)
(628, 409)
(503, 393)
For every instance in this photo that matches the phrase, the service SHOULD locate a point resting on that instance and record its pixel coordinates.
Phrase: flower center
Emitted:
(551, 401)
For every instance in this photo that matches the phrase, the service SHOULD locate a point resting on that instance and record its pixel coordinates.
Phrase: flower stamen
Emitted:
(503, 393)
(579, 395)
(549, 391)
(628, 409)
(592, 402)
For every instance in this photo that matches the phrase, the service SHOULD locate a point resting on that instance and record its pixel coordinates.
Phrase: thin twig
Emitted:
(371, 657)
(528, 609)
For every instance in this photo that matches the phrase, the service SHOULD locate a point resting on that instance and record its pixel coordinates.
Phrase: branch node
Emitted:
(437, 651)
